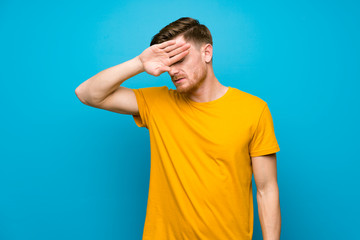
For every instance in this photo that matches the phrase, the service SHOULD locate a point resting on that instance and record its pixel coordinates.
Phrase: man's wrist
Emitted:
(139, 64)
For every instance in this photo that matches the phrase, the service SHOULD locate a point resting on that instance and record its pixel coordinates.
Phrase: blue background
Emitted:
(70, 171)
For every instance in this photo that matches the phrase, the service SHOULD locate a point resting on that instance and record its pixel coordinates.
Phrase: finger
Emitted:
(172, 47)
(167, 43)
(165, 69)
(179, 50)
(178, 57)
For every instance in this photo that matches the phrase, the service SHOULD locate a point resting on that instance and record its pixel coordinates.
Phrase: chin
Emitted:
(183, 89)
(187, 87)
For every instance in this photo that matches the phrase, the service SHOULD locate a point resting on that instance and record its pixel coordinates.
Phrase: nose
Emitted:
(173, 71)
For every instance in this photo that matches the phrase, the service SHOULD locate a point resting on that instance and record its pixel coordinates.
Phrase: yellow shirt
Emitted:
(200, 175)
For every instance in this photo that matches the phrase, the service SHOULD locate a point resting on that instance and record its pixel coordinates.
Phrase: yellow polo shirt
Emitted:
(200, 176)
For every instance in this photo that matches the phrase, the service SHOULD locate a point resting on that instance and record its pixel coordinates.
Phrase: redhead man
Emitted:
(207, 140)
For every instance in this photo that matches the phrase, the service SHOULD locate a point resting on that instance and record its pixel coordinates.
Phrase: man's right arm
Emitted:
(104, 91)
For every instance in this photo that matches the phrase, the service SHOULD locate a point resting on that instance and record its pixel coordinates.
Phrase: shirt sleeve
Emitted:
(264, 140)
(142, 120)
(147, 99)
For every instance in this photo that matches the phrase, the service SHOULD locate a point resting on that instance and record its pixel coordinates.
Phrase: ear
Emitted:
(207, 52)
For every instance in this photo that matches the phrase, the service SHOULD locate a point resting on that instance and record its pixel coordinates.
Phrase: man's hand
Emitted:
(158, 58)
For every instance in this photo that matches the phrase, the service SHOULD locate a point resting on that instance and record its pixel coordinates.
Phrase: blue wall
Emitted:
(70, 171)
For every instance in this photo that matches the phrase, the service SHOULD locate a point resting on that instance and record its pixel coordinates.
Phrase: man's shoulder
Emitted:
(248, 98)
(152, 92)
(153, 89)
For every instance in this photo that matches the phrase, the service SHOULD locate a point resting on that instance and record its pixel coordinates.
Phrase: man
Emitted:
(206, 140)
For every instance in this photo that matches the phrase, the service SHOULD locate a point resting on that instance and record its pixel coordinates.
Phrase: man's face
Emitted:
(192, 68)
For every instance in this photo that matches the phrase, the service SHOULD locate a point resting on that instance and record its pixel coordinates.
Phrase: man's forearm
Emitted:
(101, 85)
(269, 212)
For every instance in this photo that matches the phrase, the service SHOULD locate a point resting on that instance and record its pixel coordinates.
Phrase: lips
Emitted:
(179, 79)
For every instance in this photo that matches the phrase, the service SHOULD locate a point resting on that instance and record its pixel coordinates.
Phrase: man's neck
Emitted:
(210, 90)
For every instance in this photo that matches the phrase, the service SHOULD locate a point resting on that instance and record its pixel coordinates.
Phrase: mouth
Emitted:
(179, 80)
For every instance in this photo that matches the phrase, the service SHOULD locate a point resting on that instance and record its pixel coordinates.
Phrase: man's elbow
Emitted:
(80, 96)
(267, 188)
